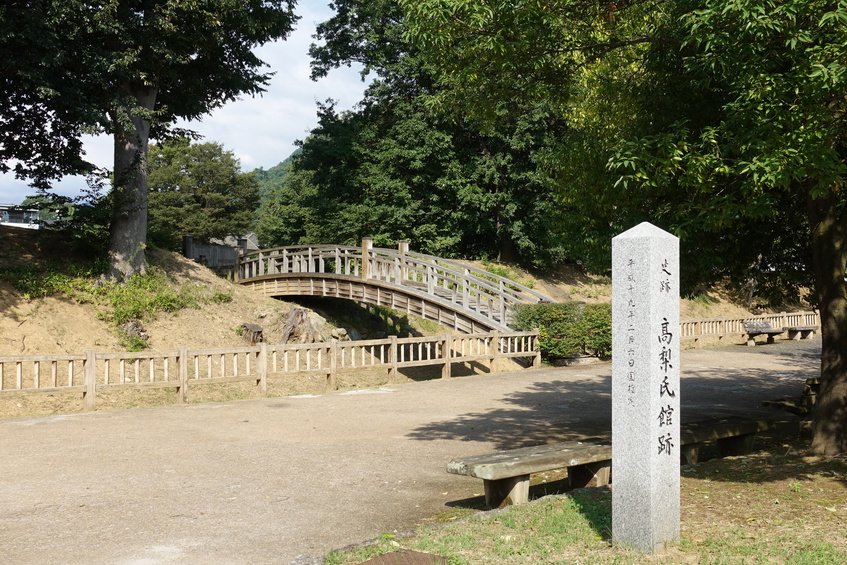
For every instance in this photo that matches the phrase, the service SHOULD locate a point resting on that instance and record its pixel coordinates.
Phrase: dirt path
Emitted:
(266, 481)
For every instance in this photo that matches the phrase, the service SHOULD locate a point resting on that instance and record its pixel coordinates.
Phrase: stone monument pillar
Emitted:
(645, 389)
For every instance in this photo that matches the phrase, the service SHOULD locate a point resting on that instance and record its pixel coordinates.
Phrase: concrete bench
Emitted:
(733, 436)
(760, 327)
(506, 474)
(800, 332)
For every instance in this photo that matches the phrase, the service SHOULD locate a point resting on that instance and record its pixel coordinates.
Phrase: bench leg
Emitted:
(503, 492)
(794, 335)
(690, 454)
(738, 445)
(807, 334)
(751, 341)
(590, 475)
(771, 338)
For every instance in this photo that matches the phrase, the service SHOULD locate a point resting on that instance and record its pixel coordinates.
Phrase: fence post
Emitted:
(367, 246)
(536, 347)
(263, 369)
(89, 397)
(182, 391)
(446, 353)
(392, 354)
(332, 378)
(495, 346)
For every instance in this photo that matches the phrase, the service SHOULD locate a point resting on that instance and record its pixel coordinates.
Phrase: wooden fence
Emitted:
(92, 372)
(717, 329)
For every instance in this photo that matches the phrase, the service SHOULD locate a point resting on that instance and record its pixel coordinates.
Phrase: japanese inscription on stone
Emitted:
(645, 388)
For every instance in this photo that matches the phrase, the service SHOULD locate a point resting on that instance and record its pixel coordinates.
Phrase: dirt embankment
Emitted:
(59, 324)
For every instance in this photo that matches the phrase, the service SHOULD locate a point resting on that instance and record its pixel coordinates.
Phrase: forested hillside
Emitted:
(536, 131)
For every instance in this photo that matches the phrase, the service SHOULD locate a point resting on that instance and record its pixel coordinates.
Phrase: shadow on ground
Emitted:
(547, 412)
(580, 407)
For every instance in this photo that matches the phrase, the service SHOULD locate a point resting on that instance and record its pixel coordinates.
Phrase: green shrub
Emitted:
(143, 296)
(222, 297)
(597, 325)
(568, 329)
(133, 344)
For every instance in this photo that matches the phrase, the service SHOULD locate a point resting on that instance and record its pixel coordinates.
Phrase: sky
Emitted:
(260, 131)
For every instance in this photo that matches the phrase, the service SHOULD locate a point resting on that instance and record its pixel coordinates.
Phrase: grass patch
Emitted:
(508, 272)
(141, 298)
(76, 281)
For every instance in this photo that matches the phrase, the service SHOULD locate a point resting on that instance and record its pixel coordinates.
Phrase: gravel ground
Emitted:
(283, 479)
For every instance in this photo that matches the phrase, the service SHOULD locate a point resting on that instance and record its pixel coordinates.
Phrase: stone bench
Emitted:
(506, 474)
(800, 332)
(733, 436)
(760, 327)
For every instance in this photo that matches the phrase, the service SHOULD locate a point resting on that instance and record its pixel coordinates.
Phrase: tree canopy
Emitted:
(127, 68)
(733, 126)
(197, 189)
(393, 169)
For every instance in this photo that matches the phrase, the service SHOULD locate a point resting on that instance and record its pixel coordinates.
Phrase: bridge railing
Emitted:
(337, 259)
(183, 368)
(471, 290)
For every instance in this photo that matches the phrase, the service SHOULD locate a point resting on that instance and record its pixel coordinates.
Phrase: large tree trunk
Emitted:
(829, 253)
(507, 251)
(128, 231)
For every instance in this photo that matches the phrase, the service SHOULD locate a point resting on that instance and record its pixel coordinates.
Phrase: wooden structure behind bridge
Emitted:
(457, 296)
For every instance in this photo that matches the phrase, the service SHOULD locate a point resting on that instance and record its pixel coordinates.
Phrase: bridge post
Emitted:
(466, 292)
(403, 250)
(367, 246)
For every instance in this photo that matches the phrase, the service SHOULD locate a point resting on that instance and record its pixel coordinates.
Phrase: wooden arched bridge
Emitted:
(457, 296)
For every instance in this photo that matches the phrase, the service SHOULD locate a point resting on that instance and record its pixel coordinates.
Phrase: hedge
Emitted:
(568, 329)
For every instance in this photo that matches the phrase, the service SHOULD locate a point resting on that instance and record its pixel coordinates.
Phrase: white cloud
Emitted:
(260, 131)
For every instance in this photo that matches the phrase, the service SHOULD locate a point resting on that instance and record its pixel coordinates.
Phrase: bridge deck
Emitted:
(450, 293)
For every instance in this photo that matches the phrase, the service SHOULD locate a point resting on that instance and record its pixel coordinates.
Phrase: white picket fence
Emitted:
(182, 368)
